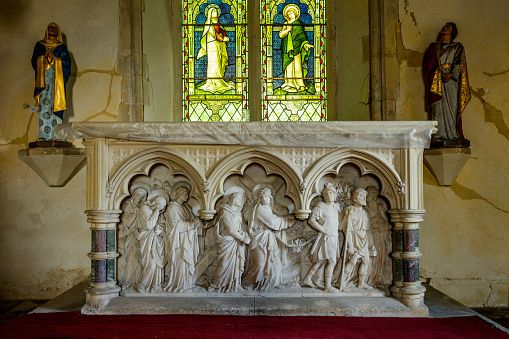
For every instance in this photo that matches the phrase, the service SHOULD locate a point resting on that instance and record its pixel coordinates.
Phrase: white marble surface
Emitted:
(358, 134)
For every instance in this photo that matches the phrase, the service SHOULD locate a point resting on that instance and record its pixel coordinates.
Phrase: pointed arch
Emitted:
(365, 161)
(237, 162)
(141, 163)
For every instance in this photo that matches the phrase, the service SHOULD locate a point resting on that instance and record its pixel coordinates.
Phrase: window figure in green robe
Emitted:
(295, 49)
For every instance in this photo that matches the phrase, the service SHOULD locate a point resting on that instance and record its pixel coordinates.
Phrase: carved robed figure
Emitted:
(231, 243)
(129, 236)
(355, 224)
(325, 251)
(264, 270)
(182, 242)
(151, 244)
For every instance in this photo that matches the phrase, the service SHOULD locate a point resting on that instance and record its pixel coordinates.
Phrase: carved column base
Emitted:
(412, 294)
(98, 298)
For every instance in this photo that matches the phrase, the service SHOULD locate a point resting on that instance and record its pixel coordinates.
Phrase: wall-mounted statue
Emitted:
(355, 224)
(151, 242)
(264, 268)
(231, 245)
(182, 229)
(52, 65)
(129, 237)
(325, 251)
(448, 91)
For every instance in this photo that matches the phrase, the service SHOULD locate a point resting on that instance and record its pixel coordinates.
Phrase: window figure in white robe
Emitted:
(213, 45)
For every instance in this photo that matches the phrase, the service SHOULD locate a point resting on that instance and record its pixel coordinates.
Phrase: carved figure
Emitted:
(231, 249)
(151, 244)
(264, 269)
(182, 242)
(52, 66)
(380, 230)
(447, 80)
(295, 49)
(325, 219)
(355, 224)
(213, 45)
(129, 235)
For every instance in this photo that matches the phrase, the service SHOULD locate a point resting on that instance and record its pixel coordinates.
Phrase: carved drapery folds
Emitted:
(249, 220)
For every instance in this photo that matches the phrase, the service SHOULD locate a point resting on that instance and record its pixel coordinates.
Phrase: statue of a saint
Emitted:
(129, 238)
(231, 249)
(380, 230)
(265, 267)
(213, 45)
(447, 83)
(295, 49)
(355, 224)
(325, 219)
(52, 65)
(151, 244)
(182, 242)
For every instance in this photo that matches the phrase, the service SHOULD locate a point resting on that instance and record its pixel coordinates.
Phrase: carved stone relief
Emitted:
(254, 241)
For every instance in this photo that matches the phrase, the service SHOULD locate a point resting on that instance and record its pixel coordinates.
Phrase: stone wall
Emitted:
(465, 233)
(44, 234)
(43, 231)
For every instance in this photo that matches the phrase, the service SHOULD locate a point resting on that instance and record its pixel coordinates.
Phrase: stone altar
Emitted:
(154, 191)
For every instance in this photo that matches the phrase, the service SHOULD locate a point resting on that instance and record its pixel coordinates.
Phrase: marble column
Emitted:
(103, 282)
(407, 286)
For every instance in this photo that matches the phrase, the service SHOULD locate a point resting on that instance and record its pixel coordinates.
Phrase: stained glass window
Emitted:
(214, 34)
(293, 60)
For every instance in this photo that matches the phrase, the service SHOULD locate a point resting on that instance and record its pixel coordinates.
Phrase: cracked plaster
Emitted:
(467, 258)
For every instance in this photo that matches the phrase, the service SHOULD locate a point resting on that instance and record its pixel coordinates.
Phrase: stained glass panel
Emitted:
(293, 60)
(214, 34)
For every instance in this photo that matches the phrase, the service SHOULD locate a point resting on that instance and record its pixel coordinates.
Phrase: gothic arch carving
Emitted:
(237, 162)
(142, 163)
(367, 164)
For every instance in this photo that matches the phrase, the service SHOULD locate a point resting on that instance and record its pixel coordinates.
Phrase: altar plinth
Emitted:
(138, 175)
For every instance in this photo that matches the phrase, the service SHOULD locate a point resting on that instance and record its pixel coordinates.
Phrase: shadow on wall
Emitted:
(12, 14)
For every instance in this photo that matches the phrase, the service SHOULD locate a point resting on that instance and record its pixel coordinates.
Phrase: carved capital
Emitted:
(302, 214)
(207, 214)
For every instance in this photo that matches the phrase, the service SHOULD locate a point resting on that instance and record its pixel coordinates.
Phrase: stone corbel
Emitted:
(55, 165)
(446, 163)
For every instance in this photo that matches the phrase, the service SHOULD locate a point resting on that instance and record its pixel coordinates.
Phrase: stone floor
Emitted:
(439, 305)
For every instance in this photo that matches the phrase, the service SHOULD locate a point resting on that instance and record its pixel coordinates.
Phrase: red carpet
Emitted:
(74, 325)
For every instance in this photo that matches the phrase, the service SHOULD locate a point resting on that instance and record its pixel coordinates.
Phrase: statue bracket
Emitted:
(446, 163)
(55, 165)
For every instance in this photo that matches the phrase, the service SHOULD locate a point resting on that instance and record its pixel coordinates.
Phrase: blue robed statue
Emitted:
(52, 65)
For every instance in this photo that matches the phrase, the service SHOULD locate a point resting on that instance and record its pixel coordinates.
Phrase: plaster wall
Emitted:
(465, 233)
(43, 231)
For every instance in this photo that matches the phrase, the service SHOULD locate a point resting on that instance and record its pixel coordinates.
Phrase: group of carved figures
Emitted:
(161, 246)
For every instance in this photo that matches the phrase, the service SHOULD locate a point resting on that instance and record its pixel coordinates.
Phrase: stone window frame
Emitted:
(384, 67)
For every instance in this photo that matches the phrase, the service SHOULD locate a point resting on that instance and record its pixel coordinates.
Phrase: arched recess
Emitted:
(142, 163)
(237, 162)
(367, 164)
